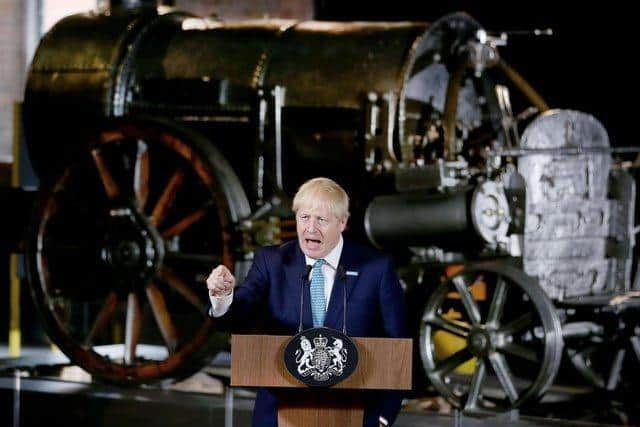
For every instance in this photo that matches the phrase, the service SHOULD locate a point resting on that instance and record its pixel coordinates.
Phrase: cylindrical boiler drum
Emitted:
(74, 81)
(209, 75)
(217, 76)
(212, 74)
(206, 77)
(418, 219)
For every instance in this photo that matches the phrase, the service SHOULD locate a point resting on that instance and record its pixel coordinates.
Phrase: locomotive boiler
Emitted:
(167, 143)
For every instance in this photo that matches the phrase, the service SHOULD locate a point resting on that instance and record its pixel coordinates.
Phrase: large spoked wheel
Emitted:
(504, 339)
(121, 245)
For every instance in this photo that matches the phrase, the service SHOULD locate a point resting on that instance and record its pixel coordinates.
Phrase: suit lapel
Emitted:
(334, 317)
(294, 268)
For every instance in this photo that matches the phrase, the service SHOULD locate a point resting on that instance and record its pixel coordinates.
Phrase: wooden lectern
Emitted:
(384, 364)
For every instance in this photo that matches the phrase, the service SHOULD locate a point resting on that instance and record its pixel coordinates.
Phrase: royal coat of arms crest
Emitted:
(321, 360)
(321, 356)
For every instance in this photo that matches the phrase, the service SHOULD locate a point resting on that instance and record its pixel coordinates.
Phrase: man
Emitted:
(375, 302)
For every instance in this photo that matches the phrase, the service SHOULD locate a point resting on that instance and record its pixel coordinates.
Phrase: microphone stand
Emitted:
(342, 275)
(305, 280)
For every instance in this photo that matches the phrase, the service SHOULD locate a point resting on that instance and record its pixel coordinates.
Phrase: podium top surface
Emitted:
(384, 363)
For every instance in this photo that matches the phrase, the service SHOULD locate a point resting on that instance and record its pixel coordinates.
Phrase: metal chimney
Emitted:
(132, 4)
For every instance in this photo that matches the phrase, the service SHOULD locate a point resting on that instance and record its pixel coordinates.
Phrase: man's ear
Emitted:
(343, 224)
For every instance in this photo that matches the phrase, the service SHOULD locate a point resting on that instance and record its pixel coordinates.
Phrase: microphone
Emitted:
(342, 275)
(304, 280)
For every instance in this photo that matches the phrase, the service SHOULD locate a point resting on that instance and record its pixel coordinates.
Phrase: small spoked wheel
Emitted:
(490, 339)
(608, 357)
(121, 245)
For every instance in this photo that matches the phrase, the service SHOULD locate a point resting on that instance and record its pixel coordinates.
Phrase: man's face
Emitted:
(318, 230)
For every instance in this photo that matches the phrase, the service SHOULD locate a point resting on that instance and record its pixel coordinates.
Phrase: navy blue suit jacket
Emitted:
(375, 308)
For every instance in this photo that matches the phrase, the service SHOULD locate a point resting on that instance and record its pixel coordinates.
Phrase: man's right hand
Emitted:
(220, 282)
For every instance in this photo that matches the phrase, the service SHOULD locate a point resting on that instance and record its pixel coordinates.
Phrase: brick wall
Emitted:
(12, 69)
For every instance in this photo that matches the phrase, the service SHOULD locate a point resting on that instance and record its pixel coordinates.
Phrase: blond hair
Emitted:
(323, 192)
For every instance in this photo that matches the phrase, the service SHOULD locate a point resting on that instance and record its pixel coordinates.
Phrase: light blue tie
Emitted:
(317, 294)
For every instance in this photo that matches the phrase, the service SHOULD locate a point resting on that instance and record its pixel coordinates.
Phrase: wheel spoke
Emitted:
(581, 360)
(635, 344)
(69, 197)
(196, 258)
(520, 351)
(64, 248)
(467, 300)
(186, 222)
(141, 175)
(132, 328)
(501, 369)
(166, 198)
(475, 386)
(448, 325)
(449, 364)
(109, 306)
(497, 303)
(616, 369)
(161, 314)
(517, 324)
(586, 352)
(110, 186)
(110, 136)
(169, 277)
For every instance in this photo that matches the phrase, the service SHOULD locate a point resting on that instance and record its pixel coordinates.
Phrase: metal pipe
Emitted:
(528, 91)
(16, 397)
(451, 110)
(418, 219)
(132, 4)
(565, 151)
(228, 406)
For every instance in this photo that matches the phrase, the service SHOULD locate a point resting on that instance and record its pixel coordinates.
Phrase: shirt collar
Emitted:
(332, 258)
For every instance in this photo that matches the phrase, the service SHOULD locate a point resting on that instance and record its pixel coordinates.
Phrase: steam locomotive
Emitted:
(167, 143)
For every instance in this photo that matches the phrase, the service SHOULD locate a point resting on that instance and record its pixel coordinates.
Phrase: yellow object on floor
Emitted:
(447, 344)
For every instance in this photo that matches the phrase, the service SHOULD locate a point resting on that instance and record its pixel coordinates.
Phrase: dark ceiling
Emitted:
(585, 65)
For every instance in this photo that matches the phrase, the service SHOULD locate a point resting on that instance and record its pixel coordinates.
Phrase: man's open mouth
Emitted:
(313, 241)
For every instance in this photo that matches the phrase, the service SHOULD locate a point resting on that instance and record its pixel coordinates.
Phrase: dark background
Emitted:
(586, 65)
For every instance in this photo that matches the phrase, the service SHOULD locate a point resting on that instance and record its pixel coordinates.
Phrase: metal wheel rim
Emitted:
(183, 355)
(472, 399)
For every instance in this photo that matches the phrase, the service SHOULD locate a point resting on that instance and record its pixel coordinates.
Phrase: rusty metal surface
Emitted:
(72, 82)
(576, 208)
(218, 50)
(83, 45)
(337, 64)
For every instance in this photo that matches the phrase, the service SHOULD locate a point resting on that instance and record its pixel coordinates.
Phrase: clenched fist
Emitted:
(220, 282)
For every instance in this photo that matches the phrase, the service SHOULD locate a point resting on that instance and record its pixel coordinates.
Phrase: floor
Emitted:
(31, 396)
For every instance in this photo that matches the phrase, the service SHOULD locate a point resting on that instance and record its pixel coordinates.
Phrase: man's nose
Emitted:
(312, 225)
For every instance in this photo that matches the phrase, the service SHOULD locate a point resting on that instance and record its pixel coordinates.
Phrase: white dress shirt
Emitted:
(220, 305)
(328, 269)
